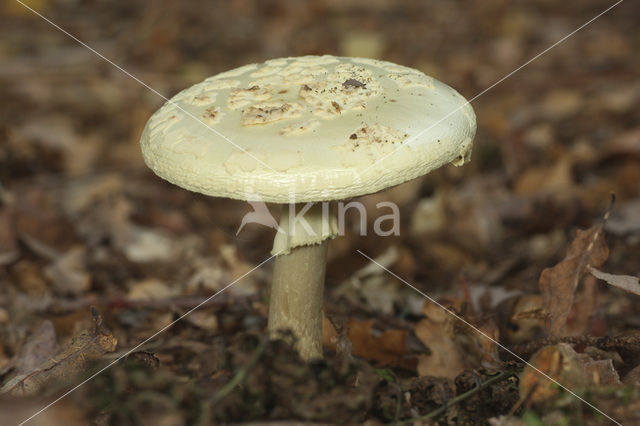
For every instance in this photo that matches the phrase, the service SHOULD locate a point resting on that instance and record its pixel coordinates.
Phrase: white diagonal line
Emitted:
(450, 312)
(144, 84)
(145, 341)
(417, 135)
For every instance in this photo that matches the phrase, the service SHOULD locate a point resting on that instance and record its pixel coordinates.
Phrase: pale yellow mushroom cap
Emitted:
(312, 128)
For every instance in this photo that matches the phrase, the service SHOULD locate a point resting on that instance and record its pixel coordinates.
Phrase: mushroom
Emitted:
(307, 130)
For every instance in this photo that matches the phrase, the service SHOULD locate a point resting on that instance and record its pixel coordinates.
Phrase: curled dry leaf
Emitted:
(387, 348)
(601, 372)
(561, 363)
(572, 370)
(558, 284)
(453, 345)
(86, 346)
(625, 282)
(521, 318)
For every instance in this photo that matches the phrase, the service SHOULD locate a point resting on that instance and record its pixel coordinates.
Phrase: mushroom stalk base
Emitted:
(300, 247)
(296, 297)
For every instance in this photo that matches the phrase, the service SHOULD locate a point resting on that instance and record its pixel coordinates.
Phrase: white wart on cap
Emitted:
(312, 128)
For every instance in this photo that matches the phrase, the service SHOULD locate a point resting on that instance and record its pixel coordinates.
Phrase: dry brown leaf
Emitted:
(454, 346)
(151, 289)
(63, 413)
(626, 218)
(29, 278)
(237, 267)
(41, 346)
(521, 318)
(445, 359)
(68, 273)
(387, 348)
(561, 363)
(558, 283)
(585, 309)
(203, 319)
(601, 372)
(625, 282)
(547, 179)
(86, 346)
(633, 377)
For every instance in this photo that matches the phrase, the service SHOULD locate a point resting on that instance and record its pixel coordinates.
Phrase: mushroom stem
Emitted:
(296, 297)
(298, 279)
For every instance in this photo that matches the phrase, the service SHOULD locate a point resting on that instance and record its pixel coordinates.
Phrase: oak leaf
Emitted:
(86, 346)
(558, 284)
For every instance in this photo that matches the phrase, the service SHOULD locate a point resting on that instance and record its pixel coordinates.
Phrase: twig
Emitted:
(531, 347)
(605, 343)
(440, 411)
(186, 302)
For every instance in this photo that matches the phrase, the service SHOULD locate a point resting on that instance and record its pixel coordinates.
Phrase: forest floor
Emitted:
(97, 254)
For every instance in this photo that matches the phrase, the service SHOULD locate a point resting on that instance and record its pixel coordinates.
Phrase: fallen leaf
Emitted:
(237, 268)
(560, 362)
(63, 413)
(548, 179)
(83, 193)
(29, 278)
(521, 318)
(372, 286)
(147, 245)
(151, 289)
(203, 319)
(601, 372)
(625, 282)
(429, 215)
(625, 220)
(41, 346)
(387, 348)
(68, 273)
(633, 377)
(453, 345)
(86, 346)
(558, 283)
(584, 311)
(445, 359)
(561, 103)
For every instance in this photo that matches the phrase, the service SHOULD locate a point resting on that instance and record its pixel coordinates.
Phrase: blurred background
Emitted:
(83, 221)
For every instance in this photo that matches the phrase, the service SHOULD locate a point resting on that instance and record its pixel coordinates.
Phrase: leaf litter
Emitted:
(86, 346)
(83, 223)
